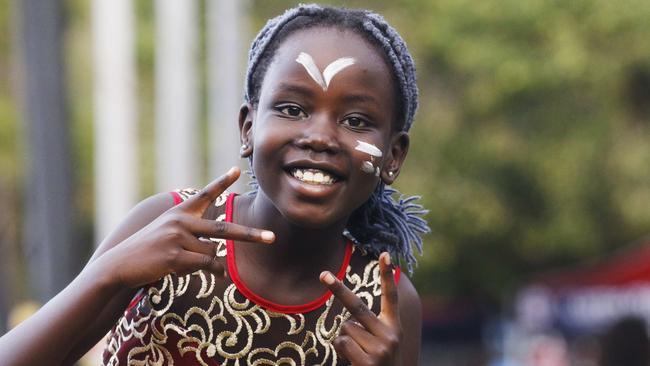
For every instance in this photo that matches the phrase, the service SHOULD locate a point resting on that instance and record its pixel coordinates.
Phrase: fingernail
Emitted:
(267, 236)
(387, 259)
(232, 171)
(328, 278)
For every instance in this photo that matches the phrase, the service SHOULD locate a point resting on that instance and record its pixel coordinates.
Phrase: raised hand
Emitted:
(170, 243)
(368, 339)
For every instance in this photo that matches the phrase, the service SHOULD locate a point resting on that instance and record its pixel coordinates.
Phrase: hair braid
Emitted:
(401, 61)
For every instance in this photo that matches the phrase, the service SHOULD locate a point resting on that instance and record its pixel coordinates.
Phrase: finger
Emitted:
(357, 308)
(347, 348)
(359, 334)
(194, 244)
(189, 262)
(228, 230)
(199, 202)
(389, 298)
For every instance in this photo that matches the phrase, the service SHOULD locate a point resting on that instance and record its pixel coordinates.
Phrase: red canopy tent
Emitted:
(589, 297)
(627, 267)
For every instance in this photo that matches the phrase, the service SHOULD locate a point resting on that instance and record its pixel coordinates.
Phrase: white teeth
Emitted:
(313, 176)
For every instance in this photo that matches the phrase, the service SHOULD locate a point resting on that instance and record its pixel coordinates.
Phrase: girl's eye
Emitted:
(292, 111)
(355, 122)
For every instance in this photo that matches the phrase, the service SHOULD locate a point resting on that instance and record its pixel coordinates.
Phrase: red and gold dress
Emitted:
(199, 319)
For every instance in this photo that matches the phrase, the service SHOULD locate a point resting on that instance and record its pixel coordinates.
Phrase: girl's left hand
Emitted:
(369, 339)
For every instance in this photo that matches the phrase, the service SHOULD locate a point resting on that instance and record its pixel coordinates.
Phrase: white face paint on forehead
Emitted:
(332, 69)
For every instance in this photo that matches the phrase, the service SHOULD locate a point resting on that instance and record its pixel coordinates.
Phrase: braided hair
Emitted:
(382, 223)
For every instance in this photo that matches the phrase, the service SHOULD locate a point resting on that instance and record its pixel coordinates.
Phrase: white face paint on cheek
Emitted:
(368, 149)
(374, 152)
(330, 71)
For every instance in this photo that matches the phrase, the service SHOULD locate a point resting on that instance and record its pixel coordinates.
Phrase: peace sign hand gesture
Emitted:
(369, 339)
(171, 244)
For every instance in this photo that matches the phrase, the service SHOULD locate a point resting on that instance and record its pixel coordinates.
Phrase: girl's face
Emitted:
(309, 121)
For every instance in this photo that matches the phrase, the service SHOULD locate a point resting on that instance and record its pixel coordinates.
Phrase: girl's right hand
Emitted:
(170, 243)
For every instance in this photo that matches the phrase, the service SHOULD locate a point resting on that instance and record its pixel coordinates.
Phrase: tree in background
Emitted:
(534, 144)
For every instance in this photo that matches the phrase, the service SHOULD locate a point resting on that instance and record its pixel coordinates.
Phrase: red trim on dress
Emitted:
(279, 308)
(177, 197)
(136, 299)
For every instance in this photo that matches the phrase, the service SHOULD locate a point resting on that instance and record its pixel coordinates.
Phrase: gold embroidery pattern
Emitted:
(225, 327)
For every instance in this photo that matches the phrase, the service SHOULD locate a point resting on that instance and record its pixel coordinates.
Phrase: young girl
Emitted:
(188, 279)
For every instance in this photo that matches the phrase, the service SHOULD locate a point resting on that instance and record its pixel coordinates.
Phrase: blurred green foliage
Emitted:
(531, 147)
(532, 144)
(8, 107)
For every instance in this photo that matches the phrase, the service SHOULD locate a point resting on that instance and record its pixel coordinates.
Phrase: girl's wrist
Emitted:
(100, 273)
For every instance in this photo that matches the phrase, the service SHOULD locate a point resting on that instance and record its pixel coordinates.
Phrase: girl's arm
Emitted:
(47, 336)
(140, 216)
(168, 244)
(87, 306)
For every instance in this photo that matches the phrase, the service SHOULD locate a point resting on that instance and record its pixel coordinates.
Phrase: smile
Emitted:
(313, 176)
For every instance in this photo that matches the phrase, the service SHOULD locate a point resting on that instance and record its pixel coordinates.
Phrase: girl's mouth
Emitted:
(313, 176)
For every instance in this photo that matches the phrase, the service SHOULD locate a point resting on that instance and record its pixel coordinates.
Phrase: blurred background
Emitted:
(531, 149)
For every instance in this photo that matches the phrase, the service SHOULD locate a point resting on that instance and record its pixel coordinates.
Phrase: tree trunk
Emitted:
(47, 235)
(116, 178)
(177, 144)
(225, 55)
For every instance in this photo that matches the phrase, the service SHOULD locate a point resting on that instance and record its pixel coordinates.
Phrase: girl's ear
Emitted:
(246, 116)
(399, 147)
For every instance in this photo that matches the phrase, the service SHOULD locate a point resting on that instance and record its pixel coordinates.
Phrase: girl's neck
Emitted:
(298, 251)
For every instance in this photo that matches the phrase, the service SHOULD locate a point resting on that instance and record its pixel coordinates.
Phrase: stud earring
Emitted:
(391, 174)
(242, 150)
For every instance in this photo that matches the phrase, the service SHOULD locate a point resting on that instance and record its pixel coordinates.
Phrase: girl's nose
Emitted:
(320, 134)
